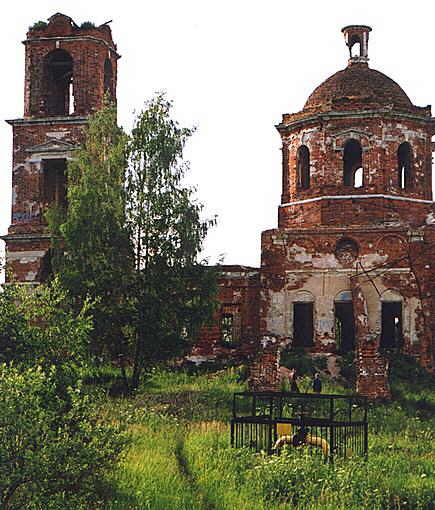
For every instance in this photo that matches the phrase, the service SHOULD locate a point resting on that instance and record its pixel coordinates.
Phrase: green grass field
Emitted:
(180, 457)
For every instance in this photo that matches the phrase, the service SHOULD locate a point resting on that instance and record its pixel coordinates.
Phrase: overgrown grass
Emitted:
(181, 457)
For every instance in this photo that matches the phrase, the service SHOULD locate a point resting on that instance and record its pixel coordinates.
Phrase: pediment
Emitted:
(52, 145)
(340, 138)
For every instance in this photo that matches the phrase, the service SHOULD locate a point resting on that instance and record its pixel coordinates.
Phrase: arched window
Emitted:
(404, 165)
(355, 46)
(108, 75)
(352, 163)
(303, 167)
(58, 83)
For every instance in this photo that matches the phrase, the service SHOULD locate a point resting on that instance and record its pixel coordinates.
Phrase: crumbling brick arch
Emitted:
(394, 247)
(57, 83)
(405, 166)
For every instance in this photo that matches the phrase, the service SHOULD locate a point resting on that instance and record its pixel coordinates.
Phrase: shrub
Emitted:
(39, 25)
(40, 327)
(87, 25)
(302, 361)
(54, 454)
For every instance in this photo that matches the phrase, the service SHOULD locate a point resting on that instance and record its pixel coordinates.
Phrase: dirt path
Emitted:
(185, 471)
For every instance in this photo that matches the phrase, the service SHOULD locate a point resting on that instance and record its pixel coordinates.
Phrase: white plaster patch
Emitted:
(30, 276)
(57, 134)
(430, 219)
(292, 279)
(24, 257)
(14, 195)
(300, 254)
(373, 259)
(326, 261)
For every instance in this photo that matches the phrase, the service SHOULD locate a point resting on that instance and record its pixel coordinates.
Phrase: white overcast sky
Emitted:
(232, 69)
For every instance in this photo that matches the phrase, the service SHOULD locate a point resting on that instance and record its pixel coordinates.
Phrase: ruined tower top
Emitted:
(357, 38)
(69, 68)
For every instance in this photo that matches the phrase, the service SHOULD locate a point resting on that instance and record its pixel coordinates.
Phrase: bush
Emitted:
(347, 365)
(39, 25)
(40, 327)
(87, 25)
(302, 362)
(55, 454)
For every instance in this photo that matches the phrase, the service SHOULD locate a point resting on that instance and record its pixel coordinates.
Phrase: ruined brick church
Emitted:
(350, 267)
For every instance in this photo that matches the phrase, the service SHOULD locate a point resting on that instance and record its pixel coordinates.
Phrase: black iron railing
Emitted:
(328, 425)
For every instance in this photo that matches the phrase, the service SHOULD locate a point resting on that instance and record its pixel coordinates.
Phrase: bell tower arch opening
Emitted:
(303, 167)
(66, 74)
(352, 164)
(404, 165)
(108, 79)
(58, 83)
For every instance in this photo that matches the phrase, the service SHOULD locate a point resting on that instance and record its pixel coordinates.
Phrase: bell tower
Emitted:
(68, 72)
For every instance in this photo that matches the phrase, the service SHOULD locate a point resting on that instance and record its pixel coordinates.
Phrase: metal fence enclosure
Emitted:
(328, 425)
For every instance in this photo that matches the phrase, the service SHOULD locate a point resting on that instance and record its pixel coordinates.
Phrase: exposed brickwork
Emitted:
(362, 247)
(366, 248)
(238, 294)
(83, 68)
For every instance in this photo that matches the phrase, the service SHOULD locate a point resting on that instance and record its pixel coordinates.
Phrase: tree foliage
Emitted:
(132, 236)
(41, 328)
(93, 255)
(52, 456)
(174, 292)
(54, 450)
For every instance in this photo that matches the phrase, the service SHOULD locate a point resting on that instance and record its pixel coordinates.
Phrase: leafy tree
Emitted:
(132, 236)
(40, 327)
(93, 252)
(52, 457)
(54, 449)
(174, 293)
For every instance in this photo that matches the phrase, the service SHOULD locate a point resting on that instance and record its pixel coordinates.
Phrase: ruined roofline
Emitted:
(62, 27)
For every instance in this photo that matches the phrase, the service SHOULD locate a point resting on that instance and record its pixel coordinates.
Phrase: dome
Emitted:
(358, 87)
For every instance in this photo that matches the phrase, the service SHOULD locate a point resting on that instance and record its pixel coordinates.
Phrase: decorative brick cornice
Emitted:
(51, 121)
(320, 117)
(73, 39)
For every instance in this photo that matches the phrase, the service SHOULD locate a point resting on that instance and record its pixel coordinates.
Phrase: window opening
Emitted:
(303, 167)
(230, 328)
(58, 76)
(108, 75)
(358, 178)
(352, 163)
(355, 47)
(391, 336)
(54, 182)
(344, 327)
(70, 98)
(404, 161)
(302, 324)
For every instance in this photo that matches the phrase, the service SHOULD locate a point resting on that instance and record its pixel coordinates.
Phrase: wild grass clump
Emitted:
(181, 457)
